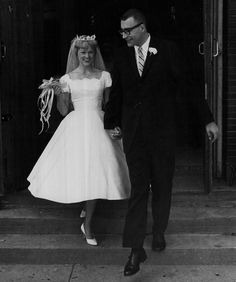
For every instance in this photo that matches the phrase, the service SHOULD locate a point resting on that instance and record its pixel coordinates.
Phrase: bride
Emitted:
(81, 163)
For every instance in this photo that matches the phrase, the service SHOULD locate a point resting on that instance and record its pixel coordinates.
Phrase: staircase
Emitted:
(201, 235)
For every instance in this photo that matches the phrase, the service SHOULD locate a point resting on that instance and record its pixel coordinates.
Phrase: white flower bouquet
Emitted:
(49, 88)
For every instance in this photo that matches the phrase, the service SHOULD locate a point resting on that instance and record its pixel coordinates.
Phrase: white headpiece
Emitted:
(72, 60)
(86, 37)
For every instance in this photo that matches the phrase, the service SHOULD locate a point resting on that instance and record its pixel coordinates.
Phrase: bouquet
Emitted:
(49, 88)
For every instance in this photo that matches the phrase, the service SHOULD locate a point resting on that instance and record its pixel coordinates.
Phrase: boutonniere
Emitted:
(152, 50)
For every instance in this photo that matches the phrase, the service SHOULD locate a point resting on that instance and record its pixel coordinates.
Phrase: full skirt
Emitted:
(81, 162)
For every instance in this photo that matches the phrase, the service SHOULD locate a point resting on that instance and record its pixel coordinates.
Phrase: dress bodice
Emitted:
(86, 93)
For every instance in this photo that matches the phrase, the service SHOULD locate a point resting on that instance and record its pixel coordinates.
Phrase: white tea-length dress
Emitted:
(81, 162)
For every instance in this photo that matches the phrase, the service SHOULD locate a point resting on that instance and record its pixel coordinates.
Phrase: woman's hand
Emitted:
(57, 90)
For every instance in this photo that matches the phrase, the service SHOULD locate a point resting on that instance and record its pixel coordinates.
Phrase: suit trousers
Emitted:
(151, 162)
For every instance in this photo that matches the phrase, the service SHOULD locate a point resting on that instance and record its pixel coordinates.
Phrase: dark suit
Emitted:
(144, 107)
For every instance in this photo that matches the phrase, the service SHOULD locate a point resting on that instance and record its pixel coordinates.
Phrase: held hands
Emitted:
(115, 133)
(212, 131)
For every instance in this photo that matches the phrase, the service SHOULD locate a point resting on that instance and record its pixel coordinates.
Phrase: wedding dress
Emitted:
(81, 162)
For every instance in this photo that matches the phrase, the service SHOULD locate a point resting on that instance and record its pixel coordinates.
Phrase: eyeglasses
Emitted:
(127, 31)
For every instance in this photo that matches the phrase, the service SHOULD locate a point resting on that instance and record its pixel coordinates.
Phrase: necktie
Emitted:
(140, 60)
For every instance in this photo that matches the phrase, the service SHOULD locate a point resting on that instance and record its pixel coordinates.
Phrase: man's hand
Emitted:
(212, 131)
(115, 133)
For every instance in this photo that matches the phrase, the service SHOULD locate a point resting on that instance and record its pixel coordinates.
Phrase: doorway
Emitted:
(50, 21)
(186, 28)
(180, 21)
(185, 23)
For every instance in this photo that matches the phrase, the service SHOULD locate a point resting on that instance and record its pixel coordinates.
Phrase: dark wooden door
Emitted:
(19, 67)
(7, 95)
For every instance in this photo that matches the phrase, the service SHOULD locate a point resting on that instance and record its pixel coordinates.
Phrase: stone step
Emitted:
(215, 213)
(179, 210)
(65, 221)
(114, 273)
(221, 192)
(188, 183)
(220, 196)
(182, 249)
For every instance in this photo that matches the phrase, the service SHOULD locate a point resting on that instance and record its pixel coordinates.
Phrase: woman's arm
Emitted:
(64, 103)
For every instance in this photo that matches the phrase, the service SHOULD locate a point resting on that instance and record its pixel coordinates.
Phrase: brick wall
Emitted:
(229, 94)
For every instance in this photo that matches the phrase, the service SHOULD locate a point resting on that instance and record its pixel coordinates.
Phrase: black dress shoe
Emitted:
(135, 258)
(158, 242)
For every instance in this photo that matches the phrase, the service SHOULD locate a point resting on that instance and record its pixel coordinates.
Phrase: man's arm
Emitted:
(196, 100)
(112, 116)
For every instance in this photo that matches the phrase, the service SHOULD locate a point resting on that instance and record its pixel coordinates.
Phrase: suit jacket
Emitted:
(149, 100)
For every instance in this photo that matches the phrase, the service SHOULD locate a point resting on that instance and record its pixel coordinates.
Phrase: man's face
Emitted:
(131, 31)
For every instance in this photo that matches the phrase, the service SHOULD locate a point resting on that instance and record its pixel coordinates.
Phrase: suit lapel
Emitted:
(134, 66)
(133, 62)
(147, 64)
(150, 57)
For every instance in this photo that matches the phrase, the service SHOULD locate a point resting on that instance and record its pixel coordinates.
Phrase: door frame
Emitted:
(218, 91)
(1, 157)
(213, 70)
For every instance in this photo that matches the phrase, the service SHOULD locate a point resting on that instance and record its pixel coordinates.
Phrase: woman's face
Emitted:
(86, 55)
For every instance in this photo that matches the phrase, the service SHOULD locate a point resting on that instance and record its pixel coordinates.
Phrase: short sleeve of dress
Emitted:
(107, 79)
(64, 80)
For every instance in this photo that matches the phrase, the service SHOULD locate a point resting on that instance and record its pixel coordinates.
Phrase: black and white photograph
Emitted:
(117, 141)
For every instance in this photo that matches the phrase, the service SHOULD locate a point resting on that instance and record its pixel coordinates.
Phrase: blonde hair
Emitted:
(84, 42)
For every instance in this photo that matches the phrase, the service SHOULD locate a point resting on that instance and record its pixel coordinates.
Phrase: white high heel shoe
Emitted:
(92, 241)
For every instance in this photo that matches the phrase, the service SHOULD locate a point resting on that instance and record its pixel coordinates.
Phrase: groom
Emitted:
(146, 78)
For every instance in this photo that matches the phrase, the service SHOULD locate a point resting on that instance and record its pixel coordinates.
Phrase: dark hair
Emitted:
(136, 14)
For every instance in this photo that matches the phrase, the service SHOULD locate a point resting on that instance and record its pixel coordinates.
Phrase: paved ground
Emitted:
(99, 273)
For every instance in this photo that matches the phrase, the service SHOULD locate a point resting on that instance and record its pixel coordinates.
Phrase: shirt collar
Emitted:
(145, 45)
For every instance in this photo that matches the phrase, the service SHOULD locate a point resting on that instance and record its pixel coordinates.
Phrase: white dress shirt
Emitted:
(145, 47)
